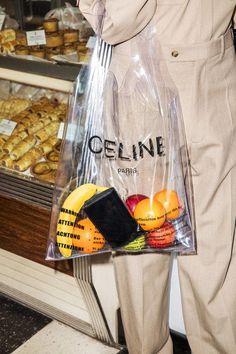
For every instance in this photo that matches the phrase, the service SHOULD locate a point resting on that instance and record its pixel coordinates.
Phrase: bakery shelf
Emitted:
(63, 71)
(24, 232)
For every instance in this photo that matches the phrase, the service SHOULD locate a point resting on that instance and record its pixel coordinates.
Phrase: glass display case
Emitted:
(29, 13)
(31, 105)
(44, 31)
(34, 91)
(35, 80)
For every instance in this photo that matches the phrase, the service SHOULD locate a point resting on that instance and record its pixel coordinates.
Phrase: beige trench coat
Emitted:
(197, 46)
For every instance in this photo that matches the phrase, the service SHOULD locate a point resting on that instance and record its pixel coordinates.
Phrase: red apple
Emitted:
(133, 200)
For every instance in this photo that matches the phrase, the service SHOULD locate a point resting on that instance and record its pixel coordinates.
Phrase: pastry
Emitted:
(53, 156)
(53, 165)
(41, 114)
(40, 168)
(54, 40)
(48, 177)
(6, 161)
(13, 106)
(68, 49)
(49, 130)
(58, 146)
(70, 36)
(16, 105)
(23, 124)
(45, 171)
(21, 50)
(53, 117)
(8, 35)
(7, 48)
(18, 117)
(43, 100)
(3, 138)
(34, 128)
(45, 121)
(28, 159)
(23, 147)
(48, 145)
(37, 52)
(13, 140)
(82, 52)
(51, 52)
(50, 25)
(53, 140)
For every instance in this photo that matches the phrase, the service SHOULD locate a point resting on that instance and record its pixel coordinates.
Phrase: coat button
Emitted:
(175, 53)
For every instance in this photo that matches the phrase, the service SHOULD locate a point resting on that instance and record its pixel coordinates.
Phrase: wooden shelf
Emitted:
(24, 232)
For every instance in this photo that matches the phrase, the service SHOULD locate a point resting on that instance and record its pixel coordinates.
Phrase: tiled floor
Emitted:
(24, 331)
(17, 324)
(56, 338)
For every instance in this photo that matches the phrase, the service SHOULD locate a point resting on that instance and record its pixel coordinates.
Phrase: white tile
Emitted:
(57, 338)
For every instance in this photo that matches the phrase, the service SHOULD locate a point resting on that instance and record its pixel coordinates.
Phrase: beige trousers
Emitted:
(205, 76)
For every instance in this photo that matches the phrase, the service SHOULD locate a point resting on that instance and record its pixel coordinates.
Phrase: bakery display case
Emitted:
(33, 109)
(34, 96)
(33, 112)
(48, 32)
(32, 115)
(29, 141)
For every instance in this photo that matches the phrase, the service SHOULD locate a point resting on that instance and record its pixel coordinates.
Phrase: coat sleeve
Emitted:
(122, 20)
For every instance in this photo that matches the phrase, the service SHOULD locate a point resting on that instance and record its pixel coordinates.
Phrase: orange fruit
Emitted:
(162, 237)
(149, 214)
(170, 200)
(87, 239)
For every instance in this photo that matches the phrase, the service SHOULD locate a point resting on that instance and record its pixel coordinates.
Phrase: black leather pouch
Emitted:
(108, 213)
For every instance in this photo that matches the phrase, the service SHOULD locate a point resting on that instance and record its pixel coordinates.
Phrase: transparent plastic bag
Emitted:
(8, 21)
(68, 16)
(124, 180)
